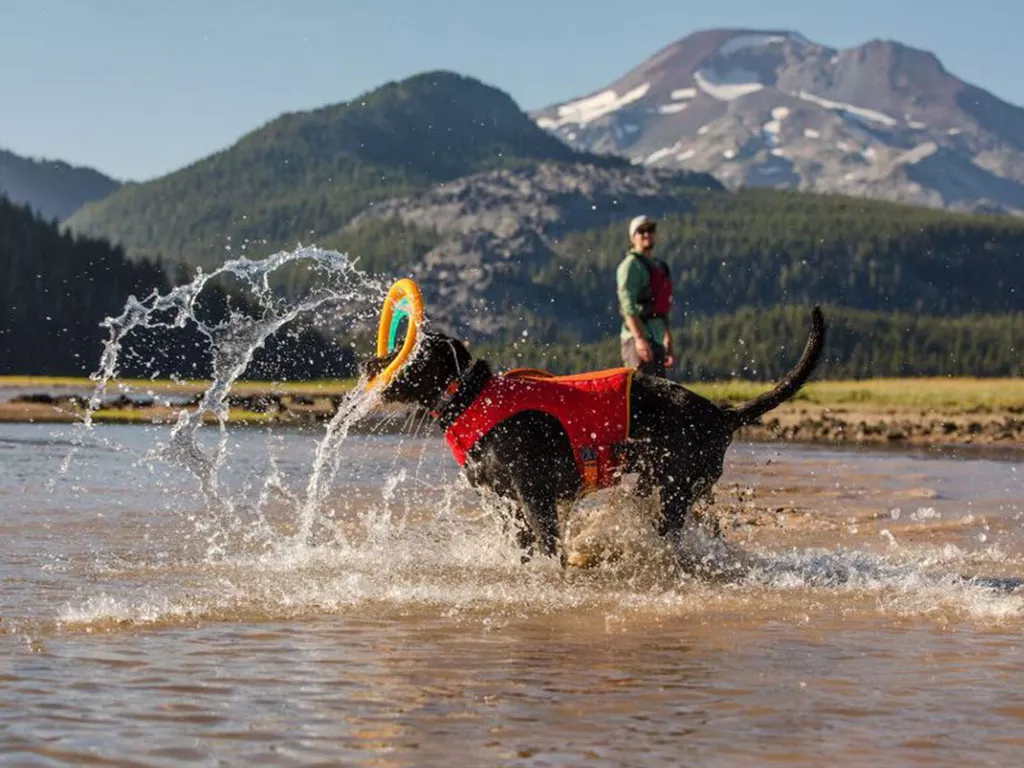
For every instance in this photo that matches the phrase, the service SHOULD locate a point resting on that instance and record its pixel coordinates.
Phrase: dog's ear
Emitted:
(460, 352)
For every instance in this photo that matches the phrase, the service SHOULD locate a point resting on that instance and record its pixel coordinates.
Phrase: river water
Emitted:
(877, 619)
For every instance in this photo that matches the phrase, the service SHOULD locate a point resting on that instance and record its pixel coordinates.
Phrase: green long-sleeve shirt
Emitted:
(631, 277)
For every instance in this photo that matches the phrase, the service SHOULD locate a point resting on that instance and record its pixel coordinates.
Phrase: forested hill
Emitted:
(765, 344)
(765, 248)
(909, 290)
(51, 187)
(56, 289)
(502, 236)
(304, 175)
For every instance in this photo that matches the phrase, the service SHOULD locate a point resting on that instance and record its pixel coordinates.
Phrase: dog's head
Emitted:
(435, 361)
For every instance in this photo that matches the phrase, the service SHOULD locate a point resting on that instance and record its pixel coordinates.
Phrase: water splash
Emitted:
(467, 570)
(328, 457)
(338, 295)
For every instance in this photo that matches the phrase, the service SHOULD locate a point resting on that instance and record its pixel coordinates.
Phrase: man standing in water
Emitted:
(644, 286)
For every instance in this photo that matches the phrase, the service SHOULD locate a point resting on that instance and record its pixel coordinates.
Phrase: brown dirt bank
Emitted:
(891, 425)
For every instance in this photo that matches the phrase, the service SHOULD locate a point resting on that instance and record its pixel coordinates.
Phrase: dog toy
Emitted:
(403, 305)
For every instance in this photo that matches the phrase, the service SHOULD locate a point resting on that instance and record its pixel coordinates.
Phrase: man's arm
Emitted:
(670, 358)
(643, 346)
(629, 280)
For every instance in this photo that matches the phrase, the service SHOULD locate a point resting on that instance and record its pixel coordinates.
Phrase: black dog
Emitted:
(677, 439)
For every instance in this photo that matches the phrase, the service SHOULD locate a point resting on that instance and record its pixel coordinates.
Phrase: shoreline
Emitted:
(1001, 427)
(793, 422)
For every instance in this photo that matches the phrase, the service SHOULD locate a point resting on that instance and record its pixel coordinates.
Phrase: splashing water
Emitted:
(339, 292)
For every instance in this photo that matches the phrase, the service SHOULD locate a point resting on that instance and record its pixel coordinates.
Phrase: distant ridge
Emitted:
(772, 108)
(53, 188)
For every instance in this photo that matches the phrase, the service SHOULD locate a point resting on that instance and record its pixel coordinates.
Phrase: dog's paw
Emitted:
(583, 559)
(592, 554)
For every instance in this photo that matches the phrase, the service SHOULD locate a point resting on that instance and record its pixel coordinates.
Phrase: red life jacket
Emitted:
(656, 296)
(593, 408)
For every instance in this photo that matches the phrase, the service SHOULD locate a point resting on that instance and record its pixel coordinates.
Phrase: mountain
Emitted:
(52, 188)
(304, 175)
(771, 108)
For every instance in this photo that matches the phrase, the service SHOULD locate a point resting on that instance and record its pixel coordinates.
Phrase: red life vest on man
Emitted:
(656, 297)
(593, 409)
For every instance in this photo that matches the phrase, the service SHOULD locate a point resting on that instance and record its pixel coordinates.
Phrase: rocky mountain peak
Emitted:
(772, 108)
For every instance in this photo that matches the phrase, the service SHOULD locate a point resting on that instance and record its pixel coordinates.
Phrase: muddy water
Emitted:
(875, 616)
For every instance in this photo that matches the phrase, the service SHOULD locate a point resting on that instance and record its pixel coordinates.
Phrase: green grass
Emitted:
(165, 386)
(938, 392)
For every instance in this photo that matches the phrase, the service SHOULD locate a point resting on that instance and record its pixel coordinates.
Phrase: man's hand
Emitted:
(670, 359)
(643, 349)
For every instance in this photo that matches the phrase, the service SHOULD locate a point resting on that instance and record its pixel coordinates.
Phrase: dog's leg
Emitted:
(506, 505)
(528, 459)
(675, 506)
(540, 512)
(645, 482)
(527, 502)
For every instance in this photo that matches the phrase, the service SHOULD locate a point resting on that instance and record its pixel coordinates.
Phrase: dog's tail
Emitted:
(750, 411)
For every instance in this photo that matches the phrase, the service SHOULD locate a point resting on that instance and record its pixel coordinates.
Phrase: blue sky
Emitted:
(138, 88)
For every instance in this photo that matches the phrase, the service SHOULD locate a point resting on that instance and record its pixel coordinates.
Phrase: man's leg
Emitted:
(630, 358)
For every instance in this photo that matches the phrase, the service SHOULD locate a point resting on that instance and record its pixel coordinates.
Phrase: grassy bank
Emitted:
(939, 392)
(168, 387)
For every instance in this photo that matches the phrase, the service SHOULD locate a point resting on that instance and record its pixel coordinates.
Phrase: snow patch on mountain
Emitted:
(849, 110)
(671, 109)
(917, 154)
(727, 86)
(591, 108)
(661, 154)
